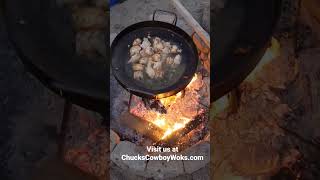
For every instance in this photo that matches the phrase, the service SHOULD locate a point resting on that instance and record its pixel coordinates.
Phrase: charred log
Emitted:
(141, 126)
(155, 105)
(172, 139)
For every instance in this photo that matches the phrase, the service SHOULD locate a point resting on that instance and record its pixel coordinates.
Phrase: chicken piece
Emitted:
(166, 50)
(164, 57)
(135, 50)
(138, 75)
(158, 46)
(138, 67)
(149, 51)
(144, 60)
(177, 59)
(157, 65)
(135, 58)
(137, 42)
(167, 44)
(156, 40)
(146, 43)
(169, 60)
(174, 49)
(149, 70)
(156, 57)
(143, 53)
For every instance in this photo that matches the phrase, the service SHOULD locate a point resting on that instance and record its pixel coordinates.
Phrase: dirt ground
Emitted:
(274, 131)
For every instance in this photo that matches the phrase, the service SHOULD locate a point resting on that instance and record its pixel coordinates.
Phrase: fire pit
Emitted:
(173, 117)
(177, 121)
(169, 119)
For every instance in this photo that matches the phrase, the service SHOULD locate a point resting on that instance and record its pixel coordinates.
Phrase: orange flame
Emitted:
(176, 127)
(170, 100)
(161, 121)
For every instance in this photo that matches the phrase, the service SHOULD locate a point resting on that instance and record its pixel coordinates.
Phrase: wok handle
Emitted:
(174, 22)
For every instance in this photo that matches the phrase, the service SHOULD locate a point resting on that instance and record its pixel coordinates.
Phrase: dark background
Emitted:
(29, 114)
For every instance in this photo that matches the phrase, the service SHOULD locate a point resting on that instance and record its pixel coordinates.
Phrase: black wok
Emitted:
(43, 36)
(166, 31)
(241, 33)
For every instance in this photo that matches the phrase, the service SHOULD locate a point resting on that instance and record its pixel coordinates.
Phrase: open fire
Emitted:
(181, 109)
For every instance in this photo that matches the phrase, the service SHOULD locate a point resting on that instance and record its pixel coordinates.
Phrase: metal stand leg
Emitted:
(129, 104)
(183, 93)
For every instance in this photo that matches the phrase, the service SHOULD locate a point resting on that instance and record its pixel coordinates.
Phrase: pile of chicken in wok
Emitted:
(152, 57)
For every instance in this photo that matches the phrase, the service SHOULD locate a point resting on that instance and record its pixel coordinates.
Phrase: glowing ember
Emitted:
(169, 131)
(170, 100)
(176, 127)
(178, 108)
(160, 122)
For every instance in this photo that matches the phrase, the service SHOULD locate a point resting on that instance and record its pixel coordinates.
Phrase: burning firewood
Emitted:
(156, 105)
(174, 137)
(141, 126)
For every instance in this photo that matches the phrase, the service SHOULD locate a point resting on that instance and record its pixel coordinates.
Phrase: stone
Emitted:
(130, 149)
(200, 149)
(202, 174)
(182, 177)
(254, 159)
(164, 169)
(206, 17)
(117, 173)
(114, 140)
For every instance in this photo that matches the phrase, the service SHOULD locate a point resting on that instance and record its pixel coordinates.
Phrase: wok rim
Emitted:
(95, 98)
(163, 92)
(223, 79)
